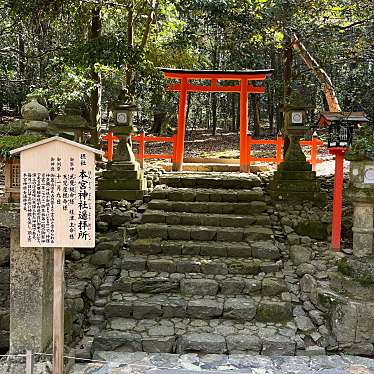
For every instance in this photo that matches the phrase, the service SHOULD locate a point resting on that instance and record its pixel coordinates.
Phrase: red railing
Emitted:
(278, 142)
(142, 140)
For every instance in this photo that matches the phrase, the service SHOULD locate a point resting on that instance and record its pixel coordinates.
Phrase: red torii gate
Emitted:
(213, 76)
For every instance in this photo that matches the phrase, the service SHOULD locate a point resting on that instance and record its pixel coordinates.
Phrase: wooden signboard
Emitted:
(57, 210)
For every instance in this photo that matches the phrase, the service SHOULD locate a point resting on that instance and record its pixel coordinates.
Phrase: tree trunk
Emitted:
(214, 113)
(321, 75)
(287, 78)
(158, 120)
(95, 94)
(256, 115)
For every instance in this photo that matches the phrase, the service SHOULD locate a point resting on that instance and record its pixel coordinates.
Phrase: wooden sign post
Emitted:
(57, 211)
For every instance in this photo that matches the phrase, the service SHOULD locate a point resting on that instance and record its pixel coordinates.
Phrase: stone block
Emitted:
(118, 309)
(213, 249)
(199, 286)
(146, 310)
(152, 216)
(160, 344)
(238, 250)
(134, 263)
(113, 245)
(265, 250)
(257, 233)
(173, 218)
(182, 195)
(203, 233)
(154, 285)
(278, 345)
(240, 343)
(201, 343)
(189, 219)
(214, 267)
(244, 267)
(304, 324)
(179, 232)
(188, 266)
(210, 220)
(230, 234)
(174, 308)
(274, 311)
(152, 230)
(204, 308)
(232, 286)
(162, 265)
(241, 309)
(252, 287)
(273, 286)
(119, 218)
(171, 248)
(191, 248)
(147, 246)
(251, 195)
(117, 341)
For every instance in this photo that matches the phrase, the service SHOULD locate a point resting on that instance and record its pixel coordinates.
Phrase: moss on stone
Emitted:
(314, 229)
(343, 267)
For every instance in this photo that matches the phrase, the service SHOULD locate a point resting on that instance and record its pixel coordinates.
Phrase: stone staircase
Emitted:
(203, 275)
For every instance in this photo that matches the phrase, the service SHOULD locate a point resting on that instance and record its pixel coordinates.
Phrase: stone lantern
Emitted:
(294, 178)
(70, 123)
(123, 178)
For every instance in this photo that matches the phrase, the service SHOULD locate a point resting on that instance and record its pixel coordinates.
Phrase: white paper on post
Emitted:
(57, 196)
(369, 174)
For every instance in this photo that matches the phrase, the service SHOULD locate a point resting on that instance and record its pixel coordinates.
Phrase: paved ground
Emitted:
(143, 363)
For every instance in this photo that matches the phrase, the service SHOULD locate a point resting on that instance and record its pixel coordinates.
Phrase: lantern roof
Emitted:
(328, 117)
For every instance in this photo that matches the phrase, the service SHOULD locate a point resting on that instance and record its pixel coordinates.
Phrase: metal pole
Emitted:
(58, 311)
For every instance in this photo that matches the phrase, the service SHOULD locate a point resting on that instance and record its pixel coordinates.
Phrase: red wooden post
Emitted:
(279, 149)
(110, 138)
(178, 162)
(313, 153)
(338, 197)
(141, 149)
(249, 141)
(244, 167)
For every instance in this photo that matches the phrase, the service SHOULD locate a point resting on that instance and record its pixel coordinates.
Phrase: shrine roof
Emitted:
(217, 74)
(56, 138)
(347, 116)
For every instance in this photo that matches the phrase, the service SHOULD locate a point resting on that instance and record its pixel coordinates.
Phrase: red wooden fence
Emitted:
(142, 139)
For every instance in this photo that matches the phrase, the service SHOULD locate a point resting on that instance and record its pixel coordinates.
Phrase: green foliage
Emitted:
(8, 143)
(363, 144)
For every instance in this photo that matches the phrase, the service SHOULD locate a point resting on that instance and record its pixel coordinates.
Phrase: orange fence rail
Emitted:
(142, 140)
(279, 142)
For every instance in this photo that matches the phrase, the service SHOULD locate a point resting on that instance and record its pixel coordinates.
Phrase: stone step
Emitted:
(223, 220)
(204, 233)
(240, 308)
(250, 208)
(208, 194)
(196, 336)
(258, 249)
(196, 264)
(199, 284)
(237, 181)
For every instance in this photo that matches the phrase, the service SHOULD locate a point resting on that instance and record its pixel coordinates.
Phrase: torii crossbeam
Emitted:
(214, 76)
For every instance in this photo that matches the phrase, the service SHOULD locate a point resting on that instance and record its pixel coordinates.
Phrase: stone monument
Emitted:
(123, 178)
(35, 117)
(294, 179)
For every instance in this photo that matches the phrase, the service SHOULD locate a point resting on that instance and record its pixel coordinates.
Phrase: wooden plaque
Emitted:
(57, 194)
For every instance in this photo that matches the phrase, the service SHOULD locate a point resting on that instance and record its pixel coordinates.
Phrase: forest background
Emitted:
(101, 51)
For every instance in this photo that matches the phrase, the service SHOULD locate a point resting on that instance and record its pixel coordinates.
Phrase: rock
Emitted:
(154, 285)
(307, 283)
(102, 226)
(278, 345)
(201, 343)
(239, 308)
(274, 311)
(304, 324)
(159, 344)
(300, 254)
(303, 269)
(314, 350)
(113, 245)
(273, 286)
(364, 349)
(75, 255)
(199, 286)
(102, 258)
(33, 111)
(265, 250)
(117, 341)
(317, 317)
(314, 229)
(240, 343)
(204, 308)
(90, 292)
(146, 310)
(119, 217)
